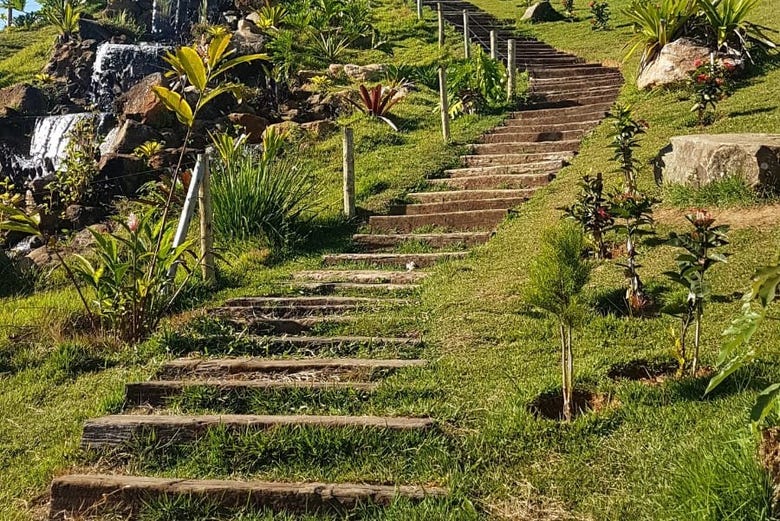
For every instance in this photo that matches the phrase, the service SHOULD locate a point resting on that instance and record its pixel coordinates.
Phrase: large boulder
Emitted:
(141, 104)
(674, 64)
(23, 100)
(542, 12)
(698, 160)
(127, 137)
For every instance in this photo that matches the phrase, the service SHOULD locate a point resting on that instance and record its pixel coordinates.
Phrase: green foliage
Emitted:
(600, 15)
(476, 85)
(568, 7)
(636, 214)
(710, 83)
(131, 276)
(73, 183)
(63, 15)
(148, 150)
(728, 191)
(271, 16)
(329, 48)
(264, 196)
(625, 139)
(377, 102)
(591, 211)
(728, 20)
(698, 257)
(125, 23)
(657, 24)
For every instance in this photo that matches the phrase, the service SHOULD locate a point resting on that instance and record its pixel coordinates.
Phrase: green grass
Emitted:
(730, 191)
(23, 53)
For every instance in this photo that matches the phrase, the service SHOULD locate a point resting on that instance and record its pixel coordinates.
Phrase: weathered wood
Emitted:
(118, 430)
(349, 173)
(440, 12)
(419, 9)
(511, 68)
(380, 242)
(159, 392)
(479, 220)
(308, 301)
(362, 276)
(330, 287)
(444, 104)
(207, 265)
(419, 260)
(493, 44)
(281, 326)
(80, 495)
(466, 37)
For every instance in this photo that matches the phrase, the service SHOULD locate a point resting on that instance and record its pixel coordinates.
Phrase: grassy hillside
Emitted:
(23, 53)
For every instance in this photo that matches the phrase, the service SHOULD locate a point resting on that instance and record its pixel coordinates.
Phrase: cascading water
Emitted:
(119, 66)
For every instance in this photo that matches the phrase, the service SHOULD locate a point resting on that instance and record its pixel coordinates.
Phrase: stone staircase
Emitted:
(459, 211)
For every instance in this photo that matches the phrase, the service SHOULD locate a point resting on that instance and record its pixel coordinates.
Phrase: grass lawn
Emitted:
(653, 452)
(23, 53)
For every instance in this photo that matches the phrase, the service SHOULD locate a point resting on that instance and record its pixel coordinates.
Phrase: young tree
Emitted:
(557, 276)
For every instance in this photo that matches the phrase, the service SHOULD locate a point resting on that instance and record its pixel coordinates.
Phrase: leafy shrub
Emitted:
(63, 15)
(625, 138)
(698, 257)
(600, 15)
(476, 85)
(635, 212)
(131, 275)
(263, 195)
(556, 278)
(125, 23)
(592, 212)
(568, 7)
(271, 16)
(710, 82)
(73, 183)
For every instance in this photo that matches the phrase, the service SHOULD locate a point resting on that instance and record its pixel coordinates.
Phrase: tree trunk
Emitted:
(10, 17)
(566, 371)
(695, 362)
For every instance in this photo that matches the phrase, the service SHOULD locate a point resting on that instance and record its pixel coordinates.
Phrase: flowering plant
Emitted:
(600, 13)
(592, 211)
(711, 83)
(568, 7)
(635, 212)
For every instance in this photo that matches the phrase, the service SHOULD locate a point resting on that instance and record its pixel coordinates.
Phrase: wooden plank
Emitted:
(95, 495)
(118, 430)
(231, 366)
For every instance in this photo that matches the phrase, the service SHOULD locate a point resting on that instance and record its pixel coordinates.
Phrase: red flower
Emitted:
(702, 78)
(720, 81)
(729, 66)
(701, 218)
(602, 213)
(698, 63)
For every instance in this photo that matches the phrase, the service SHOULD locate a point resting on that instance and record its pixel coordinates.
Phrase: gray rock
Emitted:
(698, 160)
(371, 72)
(674, 64)
(542, 12)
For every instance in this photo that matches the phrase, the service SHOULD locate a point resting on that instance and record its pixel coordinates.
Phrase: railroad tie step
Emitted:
(461, 195)
(457, 206)
(282, 326)
(399, 260)
(247, 366)
(118, 430)
(531, 136)
(476, 220)
(585, 118)
(362, 276)
(157, 393)
(582, 98)
(525, 147)
(378, 242)
(533, 113)
(530, 126)
(524, 168)
(287, 307)
(513, 159)
(74, 496)
(495, 182)
(323, 288)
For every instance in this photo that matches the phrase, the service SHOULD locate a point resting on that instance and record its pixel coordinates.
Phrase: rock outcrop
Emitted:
(674, 64)
(698, 160)
(542, 12)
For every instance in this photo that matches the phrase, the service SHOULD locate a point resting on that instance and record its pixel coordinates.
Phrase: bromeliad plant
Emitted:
(557, 276)
(635, 212)
(592, 212)
(656, 24)
(727, 19)
(693, 263)
(710, 83)
(625, 138)
(377, 101)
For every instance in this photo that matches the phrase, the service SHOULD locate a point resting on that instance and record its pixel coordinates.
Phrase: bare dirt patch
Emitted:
(753, 217)
(648, 371)
(549, 405)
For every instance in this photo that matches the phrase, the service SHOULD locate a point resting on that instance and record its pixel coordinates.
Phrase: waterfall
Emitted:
(119, 66)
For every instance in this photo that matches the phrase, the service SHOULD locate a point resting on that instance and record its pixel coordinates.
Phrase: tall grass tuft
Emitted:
(265, 195)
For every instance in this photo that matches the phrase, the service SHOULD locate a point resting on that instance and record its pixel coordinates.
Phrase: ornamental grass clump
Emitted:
(698, 256)
(557, 275)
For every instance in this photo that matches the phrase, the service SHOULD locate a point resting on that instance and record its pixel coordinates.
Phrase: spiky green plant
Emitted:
(657, 24)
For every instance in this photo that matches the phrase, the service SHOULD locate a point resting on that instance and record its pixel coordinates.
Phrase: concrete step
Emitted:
(512, 159)
(457, 206)
(254, 366)
(526, 147)
(158, 393)
(529, 126)
(484, 220)
(362, 277)
(526, 168)
(542, 137)
(492, 183)
(119, 430)
(460, 195)
(79, 496)
(399, 260)
(378, 242)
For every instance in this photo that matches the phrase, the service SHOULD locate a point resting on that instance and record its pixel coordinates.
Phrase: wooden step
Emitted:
(288, 307)
(157, 393)
(400, 260)
(542, 137)
(75, 496)
(542, 167)
(460, 195)
(531, 126)
(577, 71)
(363, 277)
(377, 242)
(551, 83)
(324, 288)
(304, 301)
(543, 113)
(593, 114)
(583, 98)
(285, 326)
(478, 220)
(495, 182)
(457, 206)
(225, 367)
(511, 159)
(117, 430)
(526, 147)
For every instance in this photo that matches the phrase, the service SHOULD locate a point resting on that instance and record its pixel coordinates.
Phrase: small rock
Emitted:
(674, 64)
(542, 12)
(127, 172)
(247, 26)
(254, 125)
(372, 72)
(80, 216)
(140, 103)
(319, 129)
(698, 160)
(285, 127)
(40, 257)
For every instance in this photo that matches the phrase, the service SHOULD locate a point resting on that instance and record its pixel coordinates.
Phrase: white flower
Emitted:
(410, 266)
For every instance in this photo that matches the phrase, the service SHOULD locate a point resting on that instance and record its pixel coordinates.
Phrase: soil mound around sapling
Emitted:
(549, 405)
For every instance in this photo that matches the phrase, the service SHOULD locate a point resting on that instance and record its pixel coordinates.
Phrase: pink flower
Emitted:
(602, 213)
(132, 222)
(702, 78)
(698, 63)
(701, 218)
(729, 66)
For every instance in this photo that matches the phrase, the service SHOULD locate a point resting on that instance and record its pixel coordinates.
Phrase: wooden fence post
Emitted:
(443, 101)
(206, 224)
(493, 44)
(510, 68)
(441, 25)
(466, 39)
(349, 173)
(188, 209)
(419, 9)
